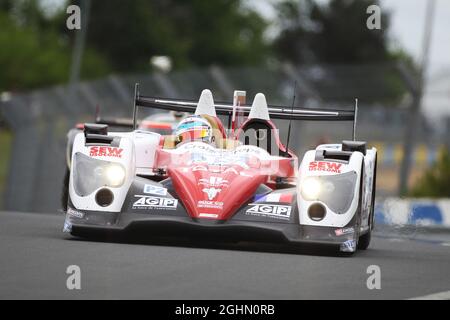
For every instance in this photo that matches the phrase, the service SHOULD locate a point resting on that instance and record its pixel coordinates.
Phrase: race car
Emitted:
(208, 183)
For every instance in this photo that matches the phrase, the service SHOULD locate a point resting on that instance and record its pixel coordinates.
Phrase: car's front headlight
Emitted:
(90, 174)
(115, 174)
(336, 191)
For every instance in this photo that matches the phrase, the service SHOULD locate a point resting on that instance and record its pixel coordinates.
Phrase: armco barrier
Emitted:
(423, 212)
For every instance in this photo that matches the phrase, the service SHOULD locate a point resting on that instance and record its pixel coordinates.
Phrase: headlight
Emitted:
(336, 191)
(90, 174)
(311, 188)
(115, 174)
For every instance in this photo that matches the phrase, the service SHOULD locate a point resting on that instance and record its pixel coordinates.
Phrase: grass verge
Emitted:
(5, 151)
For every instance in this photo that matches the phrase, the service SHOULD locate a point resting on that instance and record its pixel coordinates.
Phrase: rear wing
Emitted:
(275, 112)
(226, 109)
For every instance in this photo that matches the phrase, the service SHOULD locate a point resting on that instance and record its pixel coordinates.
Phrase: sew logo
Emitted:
(325, 166)
(105, 152)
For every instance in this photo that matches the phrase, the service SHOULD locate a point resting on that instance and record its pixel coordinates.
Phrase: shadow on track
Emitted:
(140, 239)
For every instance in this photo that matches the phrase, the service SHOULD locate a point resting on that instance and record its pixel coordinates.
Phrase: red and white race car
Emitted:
(246, 186)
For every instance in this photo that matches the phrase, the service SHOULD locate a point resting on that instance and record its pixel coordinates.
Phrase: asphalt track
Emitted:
(34, 256)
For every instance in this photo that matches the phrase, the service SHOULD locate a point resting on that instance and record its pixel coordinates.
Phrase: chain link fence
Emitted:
(39, 120)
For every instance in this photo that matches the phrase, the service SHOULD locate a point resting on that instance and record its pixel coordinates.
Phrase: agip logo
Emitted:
(275, 211)
(149, 202)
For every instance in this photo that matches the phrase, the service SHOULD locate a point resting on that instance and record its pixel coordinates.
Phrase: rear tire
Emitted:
(65, 191)
(364, 240)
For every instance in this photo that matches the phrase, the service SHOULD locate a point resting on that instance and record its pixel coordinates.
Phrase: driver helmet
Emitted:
(194, 128)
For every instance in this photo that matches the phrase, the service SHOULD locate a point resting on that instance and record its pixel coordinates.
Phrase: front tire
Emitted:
(364, 240)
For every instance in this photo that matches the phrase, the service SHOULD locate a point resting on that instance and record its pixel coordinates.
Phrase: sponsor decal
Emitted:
(67, 226)
(249, 150)
(275, 197)
(348, 246)
(199, 168)
(208, 215)
(219, 169)
(211, 192)
(149, 202)
(75, 214)
(214, 182)
(276, 211)
(105, 152)
(344, 231)
(156, 190)
(196, 146)
(325, 166)
(210, 204)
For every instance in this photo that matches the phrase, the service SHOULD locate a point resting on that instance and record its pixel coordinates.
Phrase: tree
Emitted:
(222, 32)
(191, 32)
(33, 54)
(27, 60)
(435, 183)
(335, 33)
(354, 61)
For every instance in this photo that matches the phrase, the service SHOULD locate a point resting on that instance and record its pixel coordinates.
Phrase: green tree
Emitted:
(191, 32)
(435, 183)
(33, 53)
(334, 32)
(355, 60)
(28, 60)
(223, 32)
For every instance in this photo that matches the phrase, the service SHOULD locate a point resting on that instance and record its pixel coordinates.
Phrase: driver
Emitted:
(194, 128)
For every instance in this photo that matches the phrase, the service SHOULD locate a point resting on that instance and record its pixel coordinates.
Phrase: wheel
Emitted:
(360, 238)
(65, 191)
(357, 225)
(374, 187)
(364, 240)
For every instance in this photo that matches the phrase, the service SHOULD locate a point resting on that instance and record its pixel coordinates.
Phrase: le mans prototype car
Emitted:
(246, 186)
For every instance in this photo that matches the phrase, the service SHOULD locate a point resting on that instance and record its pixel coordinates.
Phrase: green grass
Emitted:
(5, 150)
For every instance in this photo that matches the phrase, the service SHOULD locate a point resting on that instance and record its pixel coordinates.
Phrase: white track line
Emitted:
(435, 296)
